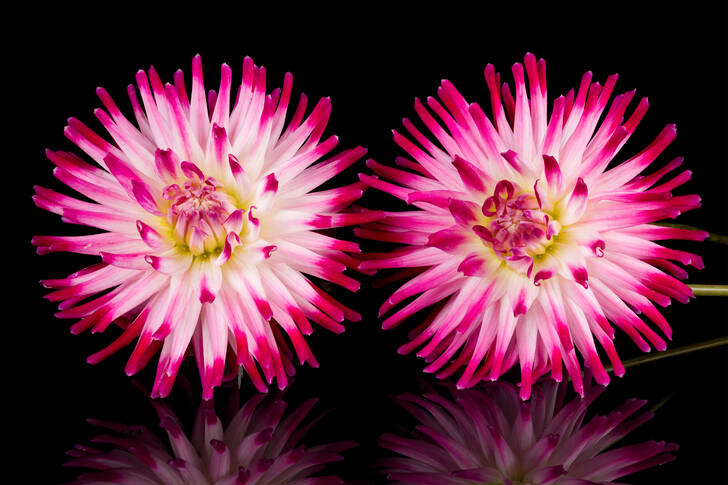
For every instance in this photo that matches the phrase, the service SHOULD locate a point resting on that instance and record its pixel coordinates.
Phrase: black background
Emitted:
(372, 64)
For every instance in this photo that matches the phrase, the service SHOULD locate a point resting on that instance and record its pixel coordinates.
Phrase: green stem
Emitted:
(661, 403)
(709, 290)
(670, 353)
(716, 238)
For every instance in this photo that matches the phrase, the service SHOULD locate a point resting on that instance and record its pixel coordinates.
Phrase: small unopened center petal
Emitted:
(197, 212)
(515, 226)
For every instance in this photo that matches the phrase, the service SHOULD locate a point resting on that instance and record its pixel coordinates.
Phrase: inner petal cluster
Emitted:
(510, 226)
(198, 211)
(515, 227)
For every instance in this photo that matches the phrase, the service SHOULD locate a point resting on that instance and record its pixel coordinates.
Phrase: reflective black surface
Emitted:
(372, 65)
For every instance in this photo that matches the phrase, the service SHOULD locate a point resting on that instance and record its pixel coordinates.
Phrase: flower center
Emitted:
(198, 210)
(515, 226)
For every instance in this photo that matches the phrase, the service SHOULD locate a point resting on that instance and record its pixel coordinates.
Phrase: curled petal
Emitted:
(145, 198)
(473, 178)
(464, 212)
(192, 171)
(169, 263)
(234, 222)
(151, 237)
(576, 206)
(553, 173)
(447, 239)
(166, 163)
(231, 242)
(472, 265)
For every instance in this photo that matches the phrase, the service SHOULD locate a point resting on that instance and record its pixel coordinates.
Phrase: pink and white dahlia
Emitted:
(209, 226)
(489, 436)
(530, 244)
(258, 446)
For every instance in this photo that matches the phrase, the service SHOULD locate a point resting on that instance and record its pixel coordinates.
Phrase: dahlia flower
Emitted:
(256, 447)
(529, 242)
(489, 436)
(209, 226)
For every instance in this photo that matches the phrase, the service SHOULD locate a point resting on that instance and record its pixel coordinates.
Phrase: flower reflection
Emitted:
(257, 446)
(489, 436)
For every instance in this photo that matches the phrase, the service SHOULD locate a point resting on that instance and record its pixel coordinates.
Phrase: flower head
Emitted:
(529, 242)
(489, 436)
(257, 446)
(209, 224)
